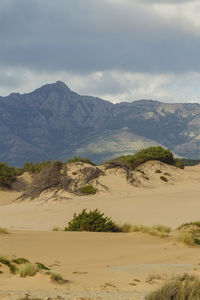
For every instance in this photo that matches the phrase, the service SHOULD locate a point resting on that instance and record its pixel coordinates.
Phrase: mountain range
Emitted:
(54, 122)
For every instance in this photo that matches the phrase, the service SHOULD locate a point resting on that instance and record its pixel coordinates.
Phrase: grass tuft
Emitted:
(159, 230)
(27, 269)
(184, 287)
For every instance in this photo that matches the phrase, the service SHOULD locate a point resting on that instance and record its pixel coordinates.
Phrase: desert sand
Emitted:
(103, 265)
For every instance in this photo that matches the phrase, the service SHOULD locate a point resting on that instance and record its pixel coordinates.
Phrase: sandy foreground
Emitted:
(103, 265)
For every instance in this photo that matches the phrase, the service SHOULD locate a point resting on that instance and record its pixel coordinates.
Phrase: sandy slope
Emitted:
(96, 263)
(105, 265)
(152, 201)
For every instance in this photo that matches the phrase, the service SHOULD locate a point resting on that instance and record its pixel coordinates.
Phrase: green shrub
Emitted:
(87, 190)
(92, 221)
(80, 159)
(7, 175)
(158, 171)
(163, 178)
(184, 287)
(150, 153)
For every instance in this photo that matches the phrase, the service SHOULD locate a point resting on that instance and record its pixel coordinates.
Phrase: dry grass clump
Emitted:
(159, 230)
(189, 233)
(184, 287)
(186, 238)
(24, 268)
(27, 269)
(3, 230)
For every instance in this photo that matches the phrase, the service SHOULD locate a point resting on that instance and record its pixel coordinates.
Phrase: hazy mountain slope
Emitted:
(55, 122)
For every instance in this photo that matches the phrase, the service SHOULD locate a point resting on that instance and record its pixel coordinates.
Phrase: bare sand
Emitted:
(96, 264)
(103, 265)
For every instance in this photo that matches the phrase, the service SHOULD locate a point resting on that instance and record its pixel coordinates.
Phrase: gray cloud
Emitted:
(91, 35)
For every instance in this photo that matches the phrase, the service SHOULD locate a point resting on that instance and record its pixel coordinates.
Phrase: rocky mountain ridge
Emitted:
(54, 122)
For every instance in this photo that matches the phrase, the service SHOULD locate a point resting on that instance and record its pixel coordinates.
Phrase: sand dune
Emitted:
(98, 264)
(147, 201)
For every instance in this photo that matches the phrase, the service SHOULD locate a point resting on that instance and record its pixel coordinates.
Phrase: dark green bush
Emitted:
(20, 261)
(92, 221)
(80, 159)
(87, 190)
(158, 171)
(8, 175)
(150, 153)
(163, 178)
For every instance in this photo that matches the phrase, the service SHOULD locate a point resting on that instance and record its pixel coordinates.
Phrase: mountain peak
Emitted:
(60, 86)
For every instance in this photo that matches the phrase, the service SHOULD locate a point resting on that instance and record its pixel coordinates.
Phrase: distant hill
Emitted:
(57, 123)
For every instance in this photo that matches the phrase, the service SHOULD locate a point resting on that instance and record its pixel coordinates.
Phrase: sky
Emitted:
(118, 50)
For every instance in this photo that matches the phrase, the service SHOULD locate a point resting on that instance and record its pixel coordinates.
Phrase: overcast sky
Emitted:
(119, 50)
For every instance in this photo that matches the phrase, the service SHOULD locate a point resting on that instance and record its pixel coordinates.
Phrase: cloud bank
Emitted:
(118, 50)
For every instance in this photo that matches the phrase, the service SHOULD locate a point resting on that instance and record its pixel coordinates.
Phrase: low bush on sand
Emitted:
(87, 190)
(92, 221)
(184, 287)
(163, 178)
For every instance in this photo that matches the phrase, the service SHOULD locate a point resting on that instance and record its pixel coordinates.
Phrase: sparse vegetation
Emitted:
(158, 171)
(49, 177)
(80, 159)
(92, 221)
(87, 190)
(163, 178)
(159, 230)
(184, 287)
(35, 168)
